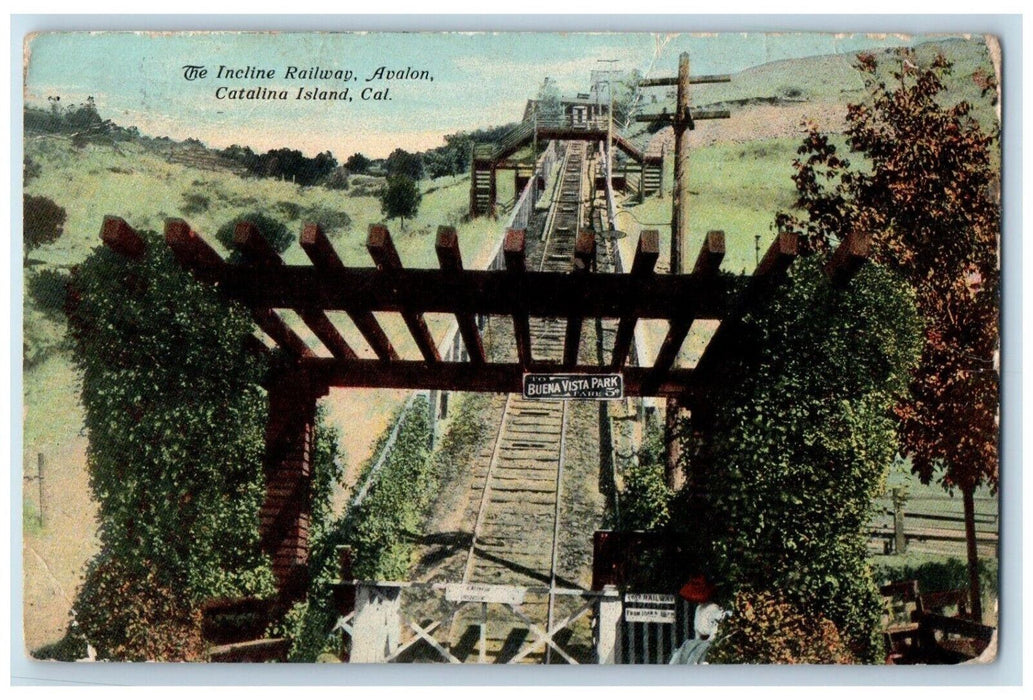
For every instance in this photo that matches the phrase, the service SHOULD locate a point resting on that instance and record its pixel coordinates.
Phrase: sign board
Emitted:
(663, 616)
(574, 386)
(655, 598)
(484, 593)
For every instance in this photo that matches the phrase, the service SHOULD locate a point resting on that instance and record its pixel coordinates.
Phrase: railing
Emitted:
(391, 617)
(639, 347)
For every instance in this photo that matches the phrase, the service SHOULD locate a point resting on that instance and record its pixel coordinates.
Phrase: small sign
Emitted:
(655, 598)
(484, 593)
(573, 386)
(663, 616)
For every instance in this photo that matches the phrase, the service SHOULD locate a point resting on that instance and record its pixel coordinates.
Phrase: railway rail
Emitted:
(517, 526)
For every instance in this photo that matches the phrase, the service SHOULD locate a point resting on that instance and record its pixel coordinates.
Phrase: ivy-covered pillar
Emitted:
(286, 510)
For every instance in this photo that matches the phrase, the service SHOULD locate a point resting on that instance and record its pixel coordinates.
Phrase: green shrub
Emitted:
(195, 203)
(43, 221)
(645, 500)
(765, 629)
(938, 575)
(128, 614)
(274, 231)
(381, 528)
(333, 221)
(175, 416)
(801, 441)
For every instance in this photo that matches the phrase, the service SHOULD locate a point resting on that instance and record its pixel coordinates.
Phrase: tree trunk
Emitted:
(973, 557)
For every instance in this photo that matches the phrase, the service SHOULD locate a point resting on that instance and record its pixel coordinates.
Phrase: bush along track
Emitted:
(175, 417)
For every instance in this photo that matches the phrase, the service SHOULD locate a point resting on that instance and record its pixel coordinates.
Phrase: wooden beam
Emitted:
(257, 251)
(322, 254)
(193, 252)
(449, 257)
(122, 238)
(255, 248)
(513, 250)
(546, 294)
(277, 329)
(708, 262)
(382, 249)
(695, 114)
(668, 352)
(584, 257)
(491, 377)
(646, 254)
(779, 256)
(849, 256)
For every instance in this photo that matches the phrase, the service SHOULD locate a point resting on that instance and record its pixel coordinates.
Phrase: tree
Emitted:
(357, 163)
(404, 163)
(927, 191)
(801, 438)
(401, 198)
(43, 222)
(548, 105)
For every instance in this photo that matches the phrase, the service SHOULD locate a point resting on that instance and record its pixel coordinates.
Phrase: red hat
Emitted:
(697, 589)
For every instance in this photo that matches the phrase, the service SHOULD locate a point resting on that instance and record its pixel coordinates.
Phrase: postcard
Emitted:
(511, 348)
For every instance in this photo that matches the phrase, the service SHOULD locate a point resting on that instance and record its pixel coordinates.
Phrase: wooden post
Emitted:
(39, 477)
(680, 207)
(679, 236)
(899, 538)
(608, 626)
(285, 512)
(377, 623)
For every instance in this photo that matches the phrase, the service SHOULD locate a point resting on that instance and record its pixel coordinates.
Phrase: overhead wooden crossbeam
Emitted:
(258, 252)
(449, 258)
(264, 283)
(491, 377)
(382, 249)
(513, 252)
(553, 294)
(194, 254)
(646, 254)
(584, 257)
(322, 254)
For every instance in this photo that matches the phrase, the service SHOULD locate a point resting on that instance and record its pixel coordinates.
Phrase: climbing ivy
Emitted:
(802, 439)
(175, 418)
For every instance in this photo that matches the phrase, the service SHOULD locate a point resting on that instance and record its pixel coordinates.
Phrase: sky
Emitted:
(474, 80)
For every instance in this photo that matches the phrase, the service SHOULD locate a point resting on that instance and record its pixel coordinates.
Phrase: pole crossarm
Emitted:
(695, 80)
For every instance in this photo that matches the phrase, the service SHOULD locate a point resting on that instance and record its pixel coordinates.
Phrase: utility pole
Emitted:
(683, 120)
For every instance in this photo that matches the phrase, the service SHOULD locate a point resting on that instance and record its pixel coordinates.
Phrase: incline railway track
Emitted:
(517, 526)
